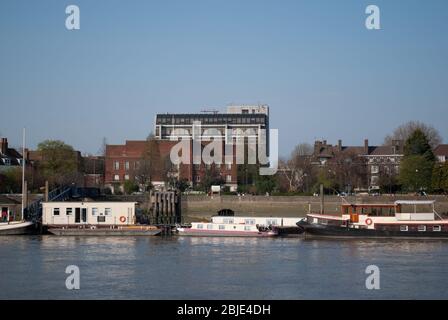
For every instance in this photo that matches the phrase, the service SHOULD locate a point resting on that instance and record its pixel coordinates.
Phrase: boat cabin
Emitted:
(399, 211)
(72, 213)
(403, 215)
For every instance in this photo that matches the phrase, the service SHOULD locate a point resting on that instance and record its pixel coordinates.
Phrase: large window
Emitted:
(116, 165)
(126, 165)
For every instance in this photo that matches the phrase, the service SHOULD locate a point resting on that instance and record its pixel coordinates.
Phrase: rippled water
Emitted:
(33, 267)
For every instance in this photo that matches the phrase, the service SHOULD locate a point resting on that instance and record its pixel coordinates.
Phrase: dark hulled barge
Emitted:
(402, 219)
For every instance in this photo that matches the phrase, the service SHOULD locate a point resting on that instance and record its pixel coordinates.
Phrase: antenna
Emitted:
(211, 110)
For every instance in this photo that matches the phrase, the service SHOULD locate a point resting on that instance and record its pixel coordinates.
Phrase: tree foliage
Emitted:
(404, 131)
(59, 162)
(418, 162)
(440, 177)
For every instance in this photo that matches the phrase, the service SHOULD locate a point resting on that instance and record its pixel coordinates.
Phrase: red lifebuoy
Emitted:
(123, 219)
(369, 221)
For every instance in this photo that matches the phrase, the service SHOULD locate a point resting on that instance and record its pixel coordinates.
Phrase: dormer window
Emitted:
(7, 161)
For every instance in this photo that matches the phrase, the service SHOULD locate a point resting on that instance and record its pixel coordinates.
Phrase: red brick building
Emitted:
(122, 163)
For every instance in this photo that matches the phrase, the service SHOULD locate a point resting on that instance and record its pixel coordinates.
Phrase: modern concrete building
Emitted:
(240, 124)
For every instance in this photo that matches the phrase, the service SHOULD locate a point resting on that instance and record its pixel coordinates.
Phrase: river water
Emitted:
(33, 267)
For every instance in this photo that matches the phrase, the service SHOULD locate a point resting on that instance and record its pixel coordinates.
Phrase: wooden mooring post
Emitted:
(165, 209)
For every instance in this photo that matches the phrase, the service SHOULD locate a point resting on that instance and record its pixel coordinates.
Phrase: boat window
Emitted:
(324, 221)
(107, 211)
(199, 226)
(271, 222)
(437, 228)
(247, 228)
(421, 228)
(345, 210)
(94, 211)
(68, 211)
(228, 220)
(249, 221)
(56, 211)
(404, 228)
(210, 226)
(221, 227)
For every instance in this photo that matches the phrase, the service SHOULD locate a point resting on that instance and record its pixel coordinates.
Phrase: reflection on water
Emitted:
(220, 268)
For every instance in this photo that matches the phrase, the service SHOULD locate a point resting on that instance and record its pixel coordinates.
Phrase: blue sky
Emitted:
(322, 72)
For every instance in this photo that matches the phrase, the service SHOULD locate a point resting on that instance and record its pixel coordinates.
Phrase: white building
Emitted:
(88, 213)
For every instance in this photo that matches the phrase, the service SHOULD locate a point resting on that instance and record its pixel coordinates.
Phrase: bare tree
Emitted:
(404, 131)
(296, 169)
(348, 170)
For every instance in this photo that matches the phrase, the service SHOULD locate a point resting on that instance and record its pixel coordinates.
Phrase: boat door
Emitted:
(354, 216)
(4, 216)
(84, 215)
(77, 215)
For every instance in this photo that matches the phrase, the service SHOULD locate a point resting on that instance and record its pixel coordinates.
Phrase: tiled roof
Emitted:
(441, 150)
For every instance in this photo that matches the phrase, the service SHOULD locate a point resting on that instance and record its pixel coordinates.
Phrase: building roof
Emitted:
(384, 150)
(441, 150)
(7, 200)
(132, 149)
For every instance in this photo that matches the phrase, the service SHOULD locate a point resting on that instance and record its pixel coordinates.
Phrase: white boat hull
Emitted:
(16, 228)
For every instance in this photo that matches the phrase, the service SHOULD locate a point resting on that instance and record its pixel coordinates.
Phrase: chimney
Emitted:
(366, 146)
(3, 145)
(339, 145)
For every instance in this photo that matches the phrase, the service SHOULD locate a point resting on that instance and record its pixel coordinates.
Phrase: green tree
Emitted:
(210, 178)
(418, 144)
(440, 177)
(327, 178)
(11, 181)
(58, 163)
(130, 186)
(418, 162)
(265, 184)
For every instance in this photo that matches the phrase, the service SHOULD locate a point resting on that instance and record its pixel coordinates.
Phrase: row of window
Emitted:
(117, 177)
(421, 228)
(257, 119)
(269, 222)
(126, 165)
(220, 227)
(376, 169)
(216, 165)
(228, 178)
(94, 211)
(7, 161)
(383, 159)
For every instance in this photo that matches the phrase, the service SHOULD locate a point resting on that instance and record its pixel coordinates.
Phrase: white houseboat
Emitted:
(402, 219)
(93, 218)
(226, 230)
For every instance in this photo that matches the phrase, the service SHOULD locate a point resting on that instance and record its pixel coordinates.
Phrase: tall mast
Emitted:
(23, 175)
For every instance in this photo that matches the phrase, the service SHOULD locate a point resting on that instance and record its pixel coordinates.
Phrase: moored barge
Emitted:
(226, 230)
(401, 219)
(134, 230)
